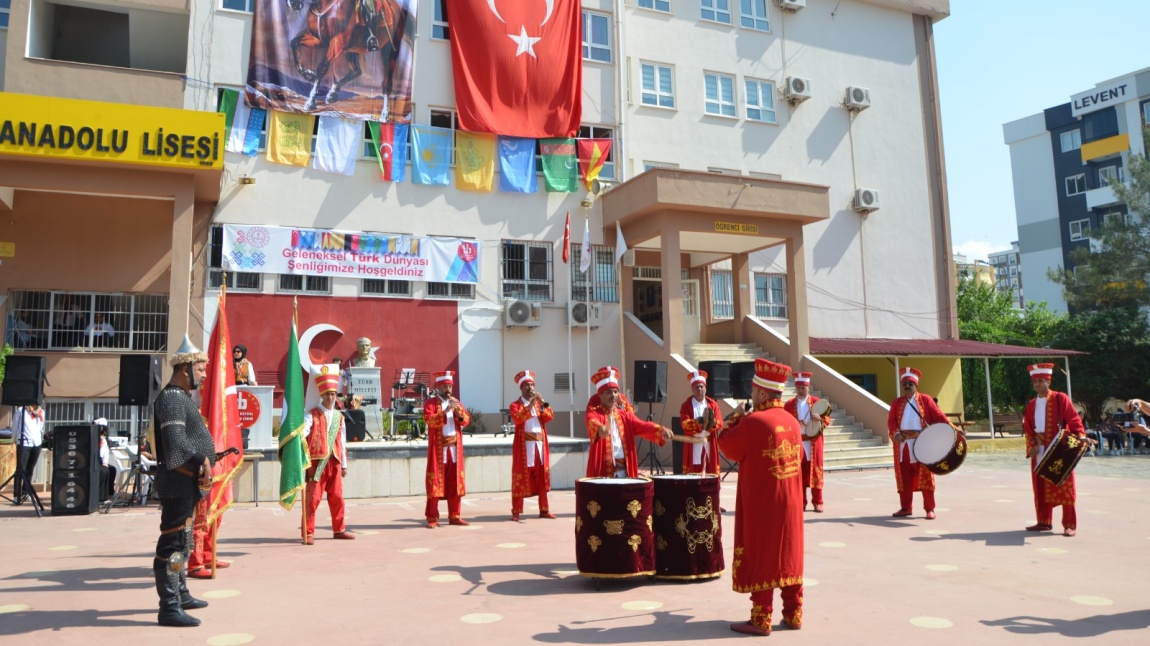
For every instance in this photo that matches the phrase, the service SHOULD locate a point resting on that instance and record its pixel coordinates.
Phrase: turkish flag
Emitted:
(518, 66)
(567, 240)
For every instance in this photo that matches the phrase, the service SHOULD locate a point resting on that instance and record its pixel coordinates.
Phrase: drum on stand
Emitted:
(1061, 457)
(815, 426)
(940, 448)
(688, 527)
(613, 527)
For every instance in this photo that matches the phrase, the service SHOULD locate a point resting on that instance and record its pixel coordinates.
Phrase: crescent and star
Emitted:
(524, 44)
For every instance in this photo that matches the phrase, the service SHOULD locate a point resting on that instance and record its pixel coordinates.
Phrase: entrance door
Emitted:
(692, 323)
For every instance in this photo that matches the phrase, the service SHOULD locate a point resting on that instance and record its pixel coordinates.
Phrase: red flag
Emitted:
(592, 155)
(518, 66)
(567, 240)
(220, 408)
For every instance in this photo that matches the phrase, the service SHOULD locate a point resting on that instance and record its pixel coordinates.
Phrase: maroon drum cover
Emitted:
(1061, 457)
(940, 448)
(613, 527)
(688, 527)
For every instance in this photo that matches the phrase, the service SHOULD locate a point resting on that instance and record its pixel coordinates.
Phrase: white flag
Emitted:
(337, 145)
(585, 252)
(620, 243)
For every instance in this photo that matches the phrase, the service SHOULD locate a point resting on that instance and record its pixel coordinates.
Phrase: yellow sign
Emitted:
(50, 127)
(7, 249)
(735, 227)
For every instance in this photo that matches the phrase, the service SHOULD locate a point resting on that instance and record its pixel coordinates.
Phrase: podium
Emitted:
(255, 404)
(365, 383)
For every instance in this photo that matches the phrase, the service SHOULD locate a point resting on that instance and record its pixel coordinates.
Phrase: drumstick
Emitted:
(689, 439)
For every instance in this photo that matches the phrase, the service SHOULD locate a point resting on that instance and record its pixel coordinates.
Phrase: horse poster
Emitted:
(338, 58)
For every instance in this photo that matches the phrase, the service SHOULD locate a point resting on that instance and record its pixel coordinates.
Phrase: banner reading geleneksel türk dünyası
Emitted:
(321, 252)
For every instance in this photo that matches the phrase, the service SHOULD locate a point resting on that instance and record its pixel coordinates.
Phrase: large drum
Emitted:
(1061, 457)
(613, 527)
(688, 527)
(940, 448)
(815, 426)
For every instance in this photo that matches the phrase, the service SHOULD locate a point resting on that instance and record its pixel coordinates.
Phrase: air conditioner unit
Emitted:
(522, 314)
(866, 200)
(797, 89)
(858, 98)
(792, 5)
(582, 314)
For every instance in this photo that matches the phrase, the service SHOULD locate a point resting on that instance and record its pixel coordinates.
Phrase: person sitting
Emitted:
(1112, 433)
(99, 333)
(23, 335)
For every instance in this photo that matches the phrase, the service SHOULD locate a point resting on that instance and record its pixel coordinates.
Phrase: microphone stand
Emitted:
(654, 466)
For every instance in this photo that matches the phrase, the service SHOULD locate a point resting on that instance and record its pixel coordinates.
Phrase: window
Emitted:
(1076, 185)
(1108, 175)
(1013, 260)
(1014, 271)
(263, 144)
(596, 37)
(218, 271)
(657, 5)
(439, 29)
(1080, 230)
(441, 118)
(1099, 125)
(719, 96)
(291, 284)
(5, 10)
(761, 101)
(1071, 140)
(385, 287)
(599, 132)
(770, 296)
(527, 270)
(723, 171)
(598, 283)
(658, 85)
(457, 291)
(868, 382)
(722, 300)
(1145, 108)
(234, 5)
(1114, 219)
(99, 36)
(753, 15)
(88, 321)
(648, 165)
(123, 421)
(369, 145)
(716, 10)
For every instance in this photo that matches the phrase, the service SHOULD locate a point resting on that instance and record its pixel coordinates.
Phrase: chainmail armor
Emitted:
(181, 435)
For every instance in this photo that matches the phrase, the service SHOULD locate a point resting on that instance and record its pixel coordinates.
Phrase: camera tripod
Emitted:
(22, 487)
(654, 466)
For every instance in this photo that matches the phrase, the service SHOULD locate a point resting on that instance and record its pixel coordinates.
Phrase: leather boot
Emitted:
(187, 601)
(167, 587)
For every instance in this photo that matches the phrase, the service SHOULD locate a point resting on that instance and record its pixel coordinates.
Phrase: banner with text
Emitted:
(321, 252)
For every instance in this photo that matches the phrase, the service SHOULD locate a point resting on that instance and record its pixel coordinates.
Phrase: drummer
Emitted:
(909, 414)
(613, 429)
(700, 415)
(800, 407)
(1048, 411)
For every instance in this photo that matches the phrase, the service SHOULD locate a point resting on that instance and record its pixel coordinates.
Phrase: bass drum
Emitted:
(614, 534)
(940, 448)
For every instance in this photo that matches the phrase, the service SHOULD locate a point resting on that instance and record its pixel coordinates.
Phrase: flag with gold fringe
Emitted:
(292, 450)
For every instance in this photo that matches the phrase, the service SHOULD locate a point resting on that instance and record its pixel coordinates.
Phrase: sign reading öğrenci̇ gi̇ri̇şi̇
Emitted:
(321, 252)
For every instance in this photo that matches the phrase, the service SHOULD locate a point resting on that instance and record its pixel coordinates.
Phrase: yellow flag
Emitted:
(289, 138)
(474, 161)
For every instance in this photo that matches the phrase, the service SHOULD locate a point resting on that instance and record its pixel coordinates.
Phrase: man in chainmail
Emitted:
(185, 452)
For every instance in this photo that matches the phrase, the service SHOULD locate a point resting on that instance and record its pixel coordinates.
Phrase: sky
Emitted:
(1002, 60)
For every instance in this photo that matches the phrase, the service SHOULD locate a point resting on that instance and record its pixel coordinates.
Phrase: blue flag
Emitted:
(431, 161)
(517, 165)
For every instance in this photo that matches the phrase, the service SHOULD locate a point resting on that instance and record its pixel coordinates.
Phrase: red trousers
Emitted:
(450, 489)
(816, 496)
(203, 539)
(1045, 511)
(762, 604)
(330, 481)
(536, 474)
(906, 496)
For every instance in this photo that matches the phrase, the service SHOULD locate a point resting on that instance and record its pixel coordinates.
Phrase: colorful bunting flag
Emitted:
(474, 161)
(337, 145)
(517, 165)
(243, 124)
(592, 155)
(560, 165)
(432, 159)
(390, 141)
(289, 138)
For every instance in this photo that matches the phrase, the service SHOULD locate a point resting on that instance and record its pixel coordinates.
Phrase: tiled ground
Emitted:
(972, 576)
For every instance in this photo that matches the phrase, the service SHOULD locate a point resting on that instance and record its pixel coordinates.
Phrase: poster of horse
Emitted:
(344, 58)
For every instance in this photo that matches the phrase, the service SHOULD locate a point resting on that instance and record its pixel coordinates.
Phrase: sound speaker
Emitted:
(76, 472)
(141, 378)
(742, 374)
(650, 381)
(718, 378)
(23, 380)
(676, 452)
(355, 422)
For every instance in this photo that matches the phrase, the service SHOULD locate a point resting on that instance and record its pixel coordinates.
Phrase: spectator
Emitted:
(1111, 431)
(68, 323)
(1139, 431)
(1096, 433)
(99, 333)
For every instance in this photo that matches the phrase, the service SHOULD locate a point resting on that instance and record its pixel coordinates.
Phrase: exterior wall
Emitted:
(941, 377)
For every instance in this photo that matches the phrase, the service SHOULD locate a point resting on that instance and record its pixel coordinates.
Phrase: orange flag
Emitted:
(593, 154)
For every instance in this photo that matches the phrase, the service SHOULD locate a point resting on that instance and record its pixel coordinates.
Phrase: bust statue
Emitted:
(364, 357)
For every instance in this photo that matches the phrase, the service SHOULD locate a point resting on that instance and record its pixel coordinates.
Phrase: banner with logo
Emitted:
(322, 252)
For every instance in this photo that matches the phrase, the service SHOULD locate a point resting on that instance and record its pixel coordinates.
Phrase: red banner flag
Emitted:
(518, 66)
(592, 155)
(567, 240)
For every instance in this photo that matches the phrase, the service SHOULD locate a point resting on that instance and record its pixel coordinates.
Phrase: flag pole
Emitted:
(570, 354)
(215, 530)
(619, 295)
(303, 507)
(216, 524)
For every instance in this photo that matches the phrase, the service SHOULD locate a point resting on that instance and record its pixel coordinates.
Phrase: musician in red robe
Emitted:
(446, 418)
(693, 417)
(767, 444)
(1049, 411)
(909, 415)
(530, 455)
(324, 433)
(800, 407)
(613, 430)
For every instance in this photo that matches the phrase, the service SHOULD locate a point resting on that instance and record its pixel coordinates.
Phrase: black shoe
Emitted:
(167, 586)
(187, 601)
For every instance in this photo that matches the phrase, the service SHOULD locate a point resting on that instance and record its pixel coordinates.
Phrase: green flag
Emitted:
(293, 452)
(560, 165)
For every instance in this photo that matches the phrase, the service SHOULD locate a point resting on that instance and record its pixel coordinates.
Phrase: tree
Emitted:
(1118, 363)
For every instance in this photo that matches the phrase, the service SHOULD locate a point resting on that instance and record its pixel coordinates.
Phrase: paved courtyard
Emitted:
(971, 576)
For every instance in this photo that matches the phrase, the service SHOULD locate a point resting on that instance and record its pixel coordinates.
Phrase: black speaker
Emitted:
(141, 378)
(676, 452)
(23, 380)
(355, 422)
(742, 374)
(76, 470)
(650, 381)
(718, 378)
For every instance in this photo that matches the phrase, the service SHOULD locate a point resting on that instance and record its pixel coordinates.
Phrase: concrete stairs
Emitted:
(847, 445)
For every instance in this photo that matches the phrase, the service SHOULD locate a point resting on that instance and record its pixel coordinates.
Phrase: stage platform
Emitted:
(385, 469)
